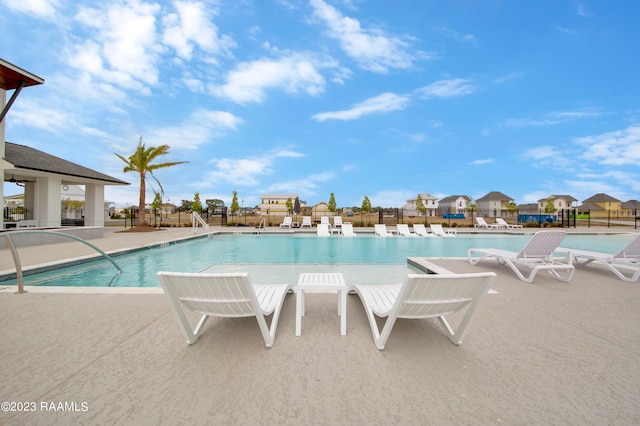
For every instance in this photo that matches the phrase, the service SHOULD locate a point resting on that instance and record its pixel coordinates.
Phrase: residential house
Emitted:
(560, 202)
(454, 204)
(320, 209)
(428, 201)
(494, 204)
(601, 206)
(631, 209)
(276, 204)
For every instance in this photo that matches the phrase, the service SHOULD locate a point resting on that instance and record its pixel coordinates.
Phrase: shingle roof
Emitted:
(600, 198)
(495, 196)
(24, 157)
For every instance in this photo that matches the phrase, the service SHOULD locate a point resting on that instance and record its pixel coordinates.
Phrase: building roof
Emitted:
(563, 197)
(453, 198)
(589, 207)
(494, 196)
(601, 198)
(11, 76)
(631, 204)
(26, 158)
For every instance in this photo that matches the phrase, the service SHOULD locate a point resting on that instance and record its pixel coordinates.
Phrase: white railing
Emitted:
(261, 225)
(197, 219)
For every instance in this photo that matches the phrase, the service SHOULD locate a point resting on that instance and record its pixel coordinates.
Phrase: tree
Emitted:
(197, 204)
(366, 206)
(185, 205)
(511, 208)
(214, 204)
(332, 203)
(234, 203)
(141, 162)
(420, 205)
(471, 207)
(157, 203)
(549, 207)
(289, 205)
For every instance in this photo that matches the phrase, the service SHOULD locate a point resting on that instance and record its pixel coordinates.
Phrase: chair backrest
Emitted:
(631, 251)
(403, 229)
(306, 220)
(324, 220)
(288, 220)
(501, 221)
(481, 221)
(347, 229)
(380, 229)
(323, 230)
(337, 221)
(542, 244)
(221, 294)
(437, 229)
(434, 295)
(419, 229)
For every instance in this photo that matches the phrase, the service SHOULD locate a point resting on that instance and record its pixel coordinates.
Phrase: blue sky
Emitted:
(355, 97)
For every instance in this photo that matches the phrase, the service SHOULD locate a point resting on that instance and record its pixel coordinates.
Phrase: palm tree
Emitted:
(141, 162)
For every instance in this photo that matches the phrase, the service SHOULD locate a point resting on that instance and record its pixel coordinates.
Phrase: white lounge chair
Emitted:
(323, 230)
(536, 255)
(403, 229)
(324, 220)
(306, 221)
(505, 225)
(337, 221)
(347, 230)
(425, 296)
(482, 224)
(222, 295)
(421, 230)
(439, 231)
(381, 230)
(287, 222)
(627, 258)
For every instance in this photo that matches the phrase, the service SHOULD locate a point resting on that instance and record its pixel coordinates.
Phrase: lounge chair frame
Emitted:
(425, 296)
(222, 295)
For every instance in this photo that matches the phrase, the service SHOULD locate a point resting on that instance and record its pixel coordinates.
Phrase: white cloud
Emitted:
(446, 89)
(304, 186)
(390, 198)
(373, 49)
(482, 161)
(547, 156)
(191, 26)
(245, 171)
(30, 113)
(124, 49)
(551, 119)
(41, 8)
(385, 102)
(295, 73)
(201, 127)
(614, 148)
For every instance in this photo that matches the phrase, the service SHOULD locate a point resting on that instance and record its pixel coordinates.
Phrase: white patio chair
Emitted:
(505, 225)
(425, 296)
(536, 255)
(306, 221)
(222, 295)
(439, 231)
(627, 258)
(323, 230)
(421, 230)
(403, 229)
(347, 230)
(287, 222)
(337, 221)
(482, 224)
(381, 230)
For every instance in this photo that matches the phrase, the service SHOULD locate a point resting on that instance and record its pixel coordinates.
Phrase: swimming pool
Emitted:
(271, 258)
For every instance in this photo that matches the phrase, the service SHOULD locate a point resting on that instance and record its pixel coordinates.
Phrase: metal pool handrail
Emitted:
(16, 257)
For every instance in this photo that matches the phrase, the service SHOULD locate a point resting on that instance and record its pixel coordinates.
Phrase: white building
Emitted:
(276, 204)
(428, 201)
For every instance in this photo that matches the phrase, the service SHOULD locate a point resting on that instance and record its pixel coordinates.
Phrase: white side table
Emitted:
(321, 283)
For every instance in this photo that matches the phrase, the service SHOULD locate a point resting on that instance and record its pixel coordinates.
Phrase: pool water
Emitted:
(280, 258)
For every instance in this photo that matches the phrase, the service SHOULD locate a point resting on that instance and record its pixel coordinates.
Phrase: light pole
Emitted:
(244, 212)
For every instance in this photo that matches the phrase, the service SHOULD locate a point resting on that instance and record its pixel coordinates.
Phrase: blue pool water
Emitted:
(270, 258)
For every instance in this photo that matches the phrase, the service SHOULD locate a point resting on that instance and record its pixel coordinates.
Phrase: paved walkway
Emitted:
(541, 353)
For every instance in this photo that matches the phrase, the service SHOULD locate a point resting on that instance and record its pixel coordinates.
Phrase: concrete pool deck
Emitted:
(541, 353)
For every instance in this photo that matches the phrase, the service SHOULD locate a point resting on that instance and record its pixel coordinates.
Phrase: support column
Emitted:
(94, 205)
(48, 204)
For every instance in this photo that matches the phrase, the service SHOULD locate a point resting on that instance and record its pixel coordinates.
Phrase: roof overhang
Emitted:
(14, 78)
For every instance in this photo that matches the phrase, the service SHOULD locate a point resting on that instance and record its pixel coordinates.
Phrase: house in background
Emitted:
(428, 201)
(276, 204)
(601, 206)
(560, 202)
(494, 204)
(631, 208)
(40, 174)
(454, 204)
